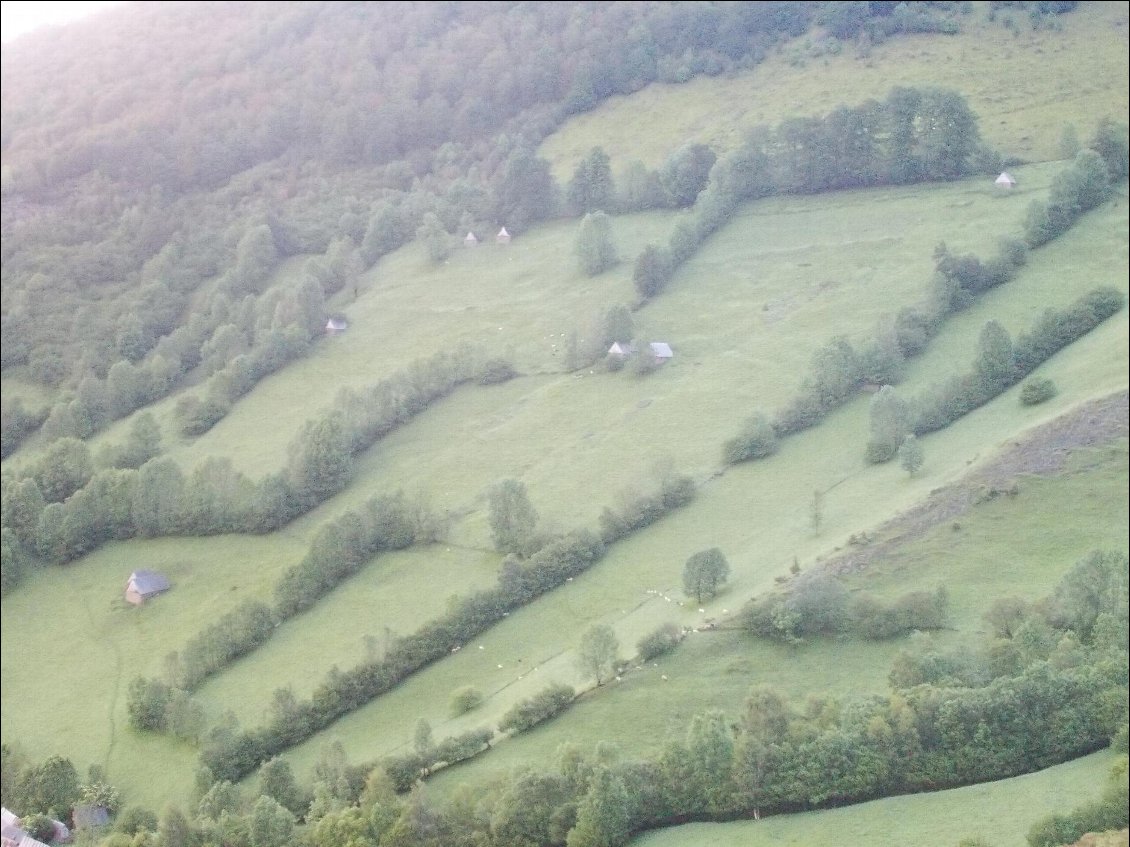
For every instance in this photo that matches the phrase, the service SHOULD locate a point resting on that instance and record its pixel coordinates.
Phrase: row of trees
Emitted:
(914, 135)
(839, 369)
(999, 364)
(536, 563)
(1054, 687)
(61, 508)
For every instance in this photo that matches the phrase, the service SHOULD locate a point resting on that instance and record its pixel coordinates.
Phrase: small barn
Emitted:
(503, 236)
(144, 585)
(337, 325)
(661, 351)
(621, 349)
(470, 240)
(1005, 180)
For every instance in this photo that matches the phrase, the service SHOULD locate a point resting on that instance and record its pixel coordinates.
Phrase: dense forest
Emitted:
(141, 221)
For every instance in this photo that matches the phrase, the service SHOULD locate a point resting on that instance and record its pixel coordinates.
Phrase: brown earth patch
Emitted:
(1043, 451)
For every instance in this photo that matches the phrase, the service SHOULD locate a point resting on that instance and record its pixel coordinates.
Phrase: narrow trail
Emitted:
(116, 650)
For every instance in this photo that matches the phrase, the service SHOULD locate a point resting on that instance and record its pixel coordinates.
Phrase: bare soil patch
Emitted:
(1043, 451)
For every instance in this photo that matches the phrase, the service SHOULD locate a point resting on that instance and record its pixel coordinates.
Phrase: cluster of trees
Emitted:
(534, 710)
(51, 788)
(1000, 363)
(337, 551)
(820, 604)
(60, 507)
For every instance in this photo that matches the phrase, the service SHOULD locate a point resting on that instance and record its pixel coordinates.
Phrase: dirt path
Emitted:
(1042, 451)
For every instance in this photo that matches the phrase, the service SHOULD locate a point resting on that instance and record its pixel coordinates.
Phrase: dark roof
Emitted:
(149, 582)
(87, 817)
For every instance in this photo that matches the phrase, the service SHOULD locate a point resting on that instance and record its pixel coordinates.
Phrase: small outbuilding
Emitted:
(13, 835)
(336, 325)
(661, 350)
(1005, 180)
(503, 236)
(144, 585)
(470, 240)
(622, 349)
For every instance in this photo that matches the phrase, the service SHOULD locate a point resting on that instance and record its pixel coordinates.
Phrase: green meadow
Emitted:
(1000, 813)
(744, 317)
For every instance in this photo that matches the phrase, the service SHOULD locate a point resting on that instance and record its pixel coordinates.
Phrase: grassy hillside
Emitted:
(577, 442)
(1025, 86)
(744, 317)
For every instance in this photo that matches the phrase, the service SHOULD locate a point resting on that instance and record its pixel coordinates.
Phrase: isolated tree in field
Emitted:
(594, 248)
(911, 456)
(513, 519)
(596, 656)
(591, 187)
(704, 573)
(890, 424)
(422, 739)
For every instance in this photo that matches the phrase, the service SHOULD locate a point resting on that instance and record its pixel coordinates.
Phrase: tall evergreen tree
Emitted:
(594, 246)
(592, 188)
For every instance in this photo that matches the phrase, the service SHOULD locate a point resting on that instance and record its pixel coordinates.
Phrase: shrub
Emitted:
(496, 371)
(662, 640)
(1037, 390)
(757, 440)
(39, 827)
(465, 699)
(534, 710)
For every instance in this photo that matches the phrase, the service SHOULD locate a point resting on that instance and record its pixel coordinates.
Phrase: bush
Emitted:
(39, 827)
(1037, 390)
(465, 699)
(534, 710)
(757, 440)
(496, 371)
(662, 640)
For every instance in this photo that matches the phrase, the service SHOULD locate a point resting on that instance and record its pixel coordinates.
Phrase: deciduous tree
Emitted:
(704, 573)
